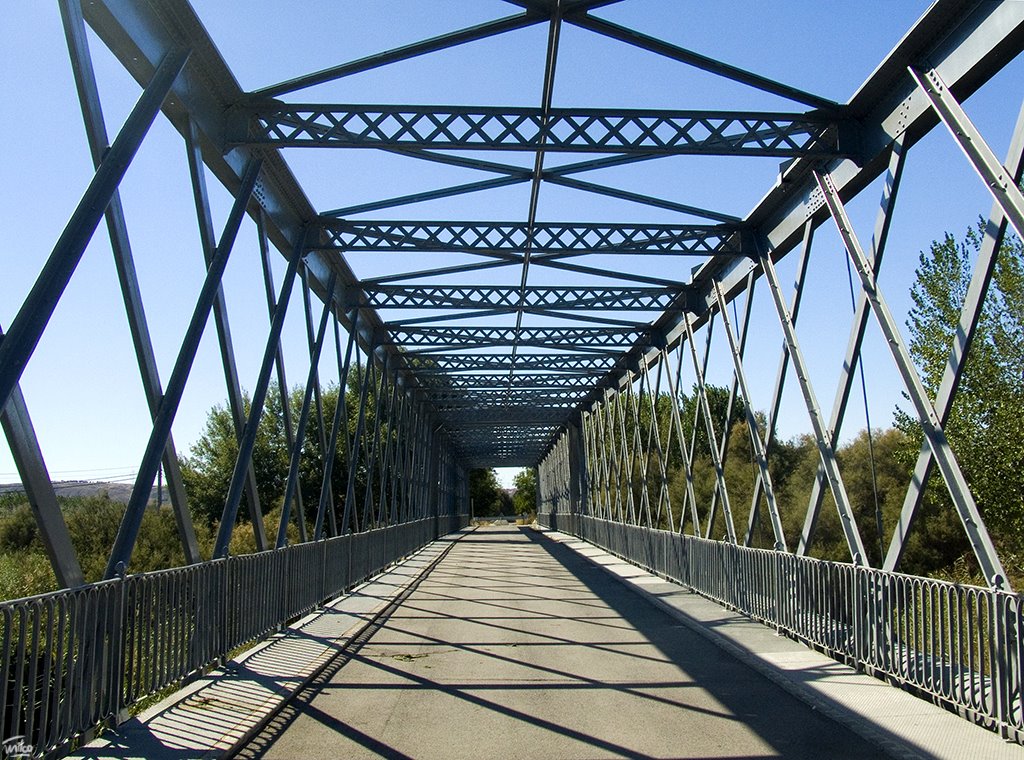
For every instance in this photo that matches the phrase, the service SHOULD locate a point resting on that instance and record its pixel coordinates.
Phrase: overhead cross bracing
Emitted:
(432, 291)
(555, 130)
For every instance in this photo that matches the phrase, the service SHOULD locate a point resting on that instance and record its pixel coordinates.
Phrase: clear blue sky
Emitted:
(82, 385)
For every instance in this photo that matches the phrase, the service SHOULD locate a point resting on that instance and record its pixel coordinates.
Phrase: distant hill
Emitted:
(114, 491)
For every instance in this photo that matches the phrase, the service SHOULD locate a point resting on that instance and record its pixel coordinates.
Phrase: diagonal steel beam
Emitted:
(723, 445)
(780, 379)
(945, 460)
(970, 314)
(825, 451)
(128, 531)
(404, 53)
(646, 200)
(852, 359)
(117, 230)
(703, 62)
(259, 396)
(999, 182)
(42, 499)
(39, 305)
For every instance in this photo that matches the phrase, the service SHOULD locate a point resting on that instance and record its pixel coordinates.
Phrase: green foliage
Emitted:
(485, 493)
(92, 523)
(985, 428)
(25, 573)
(692, 417)
(524, 500)
(208, 469)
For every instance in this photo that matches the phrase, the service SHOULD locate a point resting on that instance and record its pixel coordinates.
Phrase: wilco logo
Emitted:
(17, 747)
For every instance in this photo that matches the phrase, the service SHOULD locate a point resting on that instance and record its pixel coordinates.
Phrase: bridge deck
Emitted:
(507, 642)
(515, 646)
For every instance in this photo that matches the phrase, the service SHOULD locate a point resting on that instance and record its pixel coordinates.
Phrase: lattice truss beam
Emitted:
(778, 135)
(561, 359)
(562, 239)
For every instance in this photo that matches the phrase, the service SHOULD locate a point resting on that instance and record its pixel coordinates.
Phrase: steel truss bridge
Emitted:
(515, 341)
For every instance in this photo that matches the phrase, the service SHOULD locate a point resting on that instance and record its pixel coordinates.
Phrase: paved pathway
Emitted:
(515, 646)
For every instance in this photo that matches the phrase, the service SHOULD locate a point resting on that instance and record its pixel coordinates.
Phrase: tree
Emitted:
(985, 428)
(484, 492)
(692, 413)
(208, 468)
(525, 498)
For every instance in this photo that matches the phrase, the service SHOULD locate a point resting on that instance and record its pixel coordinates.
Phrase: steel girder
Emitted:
(721, 133)
(547, 237)
(440, 338)
(437, 382)
(555, 362)
(957, 46)
(535, 299)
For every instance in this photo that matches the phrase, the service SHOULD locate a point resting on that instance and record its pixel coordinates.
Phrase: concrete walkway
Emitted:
(515, 643)
(516, 646)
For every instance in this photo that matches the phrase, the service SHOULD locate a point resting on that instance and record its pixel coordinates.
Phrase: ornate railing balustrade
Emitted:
(75, 659)
(957, 644)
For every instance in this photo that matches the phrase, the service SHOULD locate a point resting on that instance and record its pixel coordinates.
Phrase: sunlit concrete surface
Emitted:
(895, 720)
(515, 646)
(212, 715)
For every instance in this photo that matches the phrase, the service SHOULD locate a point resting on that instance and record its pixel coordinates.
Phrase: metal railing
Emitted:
(74, 659)
(959, 645)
